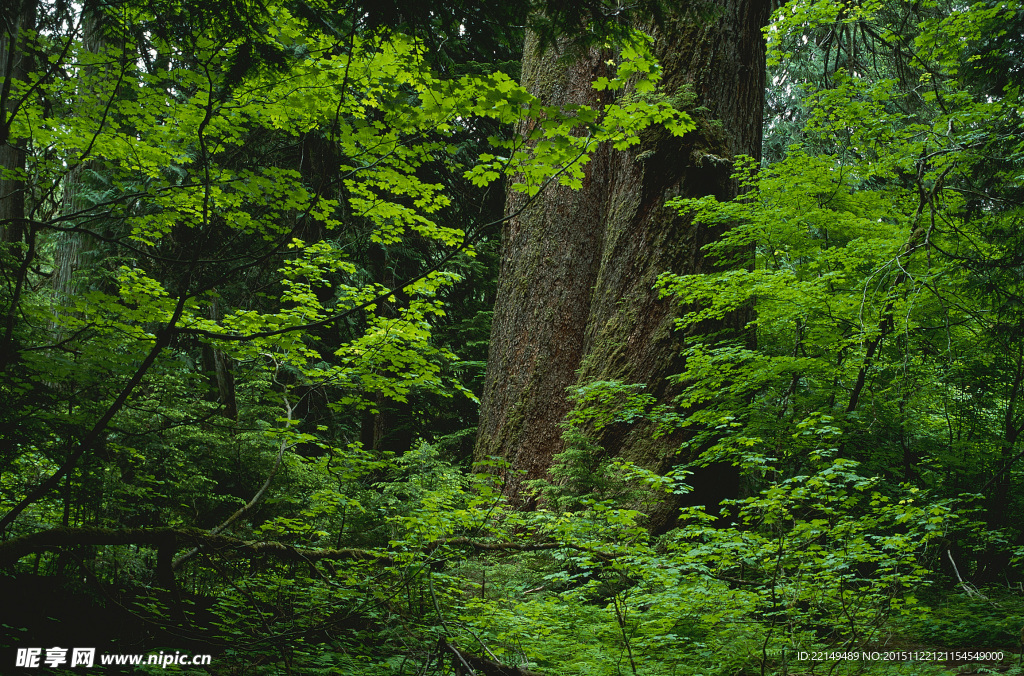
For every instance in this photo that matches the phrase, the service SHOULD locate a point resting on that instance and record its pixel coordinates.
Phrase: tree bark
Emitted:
(575, 302)
(551, 254)
(15, 65)
(75, 249)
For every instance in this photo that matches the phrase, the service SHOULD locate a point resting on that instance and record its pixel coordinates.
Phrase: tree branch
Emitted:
(172, 539)
(168, 539)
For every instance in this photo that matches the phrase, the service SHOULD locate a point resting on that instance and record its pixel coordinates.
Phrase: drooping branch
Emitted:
(169, 540)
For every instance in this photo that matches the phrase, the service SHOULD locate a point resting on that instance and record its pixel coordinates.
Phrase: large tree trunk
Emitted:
(575, 301)
(550, 258)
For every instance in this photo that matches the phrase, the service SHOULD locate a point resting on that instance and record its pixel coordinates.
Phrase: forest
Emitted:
(519, 338)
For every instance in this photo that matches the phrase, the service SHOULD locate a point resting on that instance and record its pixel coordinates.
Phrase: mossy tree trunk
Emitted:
(575, 302)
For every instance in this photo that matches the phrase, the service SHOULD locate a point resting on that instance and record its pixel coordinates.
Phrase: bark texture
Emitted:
(75, 251)
(550, 258)
(15, 65)
(574, 302)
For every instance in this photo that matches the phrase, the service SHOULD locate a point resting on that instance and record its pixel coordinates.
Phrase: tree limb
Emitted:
(172, 539)
(168, 539)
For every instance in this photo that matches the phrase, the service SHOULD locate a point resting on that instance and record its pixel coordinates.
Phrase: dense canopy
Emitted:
(250, 256)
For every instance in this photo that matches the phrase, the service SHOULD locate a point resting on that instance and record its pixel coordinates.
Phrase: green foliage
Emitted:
(814, 562)
(203, 197)
(250, 254)
(988, 620)
(583, 474)
(241, 246)
(873, 323)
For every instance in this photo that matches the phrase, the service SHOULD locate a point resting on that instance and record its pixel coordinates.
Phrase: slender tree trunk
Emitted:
(16, 62)
(575, 301)
(218, 365)
(75, 249)
(15, 65)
